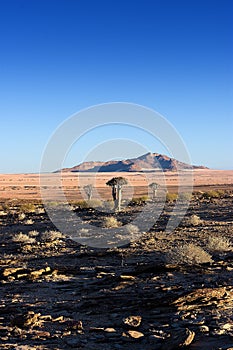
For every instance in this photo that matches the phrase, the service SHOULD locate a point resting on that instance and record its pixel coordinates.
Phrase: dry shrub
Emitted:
(189, 254)
(219, 244)
(132, 229)
(40, 211)
(171, 197)
(27, 208)
(21, 216)
(23, 238)
(94, 203)
(185, 196)
(193, 220)
(111, 222)
(50, 236)
(29, 222)
(138, 200)
(33, 233)
(81, 204)
(213, 194)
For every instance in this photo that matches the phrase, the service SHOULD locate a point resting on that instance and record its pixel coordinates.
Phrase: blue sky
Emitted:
(58, 57)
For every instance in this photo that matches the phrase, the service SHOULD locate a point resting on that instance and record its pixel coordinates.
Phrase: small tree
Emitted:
(117, 183)
(154, 187)
(88, 190)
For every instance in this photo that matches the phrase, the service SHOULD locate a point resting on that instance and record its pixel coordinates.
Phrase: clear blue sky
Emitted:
(60, 56)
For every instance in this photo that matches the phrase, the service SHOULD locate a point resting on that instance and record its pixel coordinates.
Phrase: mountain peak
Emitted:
(146, 162)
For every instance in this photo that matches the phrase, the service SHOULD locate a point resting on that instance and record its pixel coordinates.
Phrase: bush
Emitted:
(132, 229)
(23, 238)
(40, 211)
(185, 196)
(219, 244)
(27, 208)
(111, 222)
(189, 254)
(33, 233)
(213, 194)
(193, 220)
(138, 200)
(50, 236)
(171, 197)
(93, 203)
(21, 216)
(29, 222)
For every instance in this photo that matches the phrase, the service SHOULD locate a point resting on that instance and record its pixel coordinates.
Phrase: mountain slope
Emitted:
(146, 162)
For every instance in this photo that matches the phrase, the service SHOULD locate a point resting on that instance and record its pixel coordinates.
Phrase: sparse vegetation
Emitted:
(193, 220)
(189, 254)
(138, 201)
(23, 238)
(171, 197)
(219, 244)
(93, 203)
(213, 194)
(39, 211)
(50, 236)
(33, 233)
(29, 222)
(185, 196)
(132, 229)
(111, 222)
(27, 208)
(21, 216)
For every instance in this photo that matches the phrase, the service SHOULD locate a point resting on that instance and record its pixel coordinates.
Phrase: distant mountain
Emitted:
(146, 162)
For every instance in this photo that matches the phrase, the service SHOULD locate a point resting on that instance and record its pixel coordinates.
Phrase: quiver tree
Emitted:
(88, 190)
(154, 187)
(117, 183)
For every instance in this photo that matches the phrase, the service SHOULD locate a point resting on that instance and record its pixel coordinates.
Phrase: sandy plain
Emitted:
(28, 186)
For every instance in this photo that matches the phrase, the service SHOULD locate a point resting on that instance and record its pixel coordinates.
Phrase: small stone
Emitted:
(135, 334)
(127, 278)
(110, 330)
(132, 321)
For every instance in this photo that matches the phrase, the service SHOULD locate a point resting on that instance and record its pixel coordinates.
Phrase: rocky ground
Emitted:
(161, 291)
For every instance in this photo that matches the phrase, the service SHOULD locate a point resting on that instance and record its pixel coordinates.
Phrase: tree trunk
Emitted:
(119, 198)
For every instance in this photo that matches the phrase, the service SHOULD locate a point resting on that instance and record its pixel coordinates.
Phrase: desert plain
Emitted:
(161, 290)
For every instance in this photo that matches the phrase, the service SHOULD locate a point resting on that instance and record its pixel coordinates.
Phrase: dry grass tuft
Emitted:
(27, 208)
(193, 220)
(29, 222)
(189, 254)
(111, 222)
(219, 244)
(33, 233)
(171, 197)
(132, 229)
(23, 238)
(50, 236)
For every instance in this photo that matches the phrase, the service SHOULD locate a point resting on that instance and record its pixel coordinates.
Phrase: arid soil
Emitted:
(152, 293)
(27, 186)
